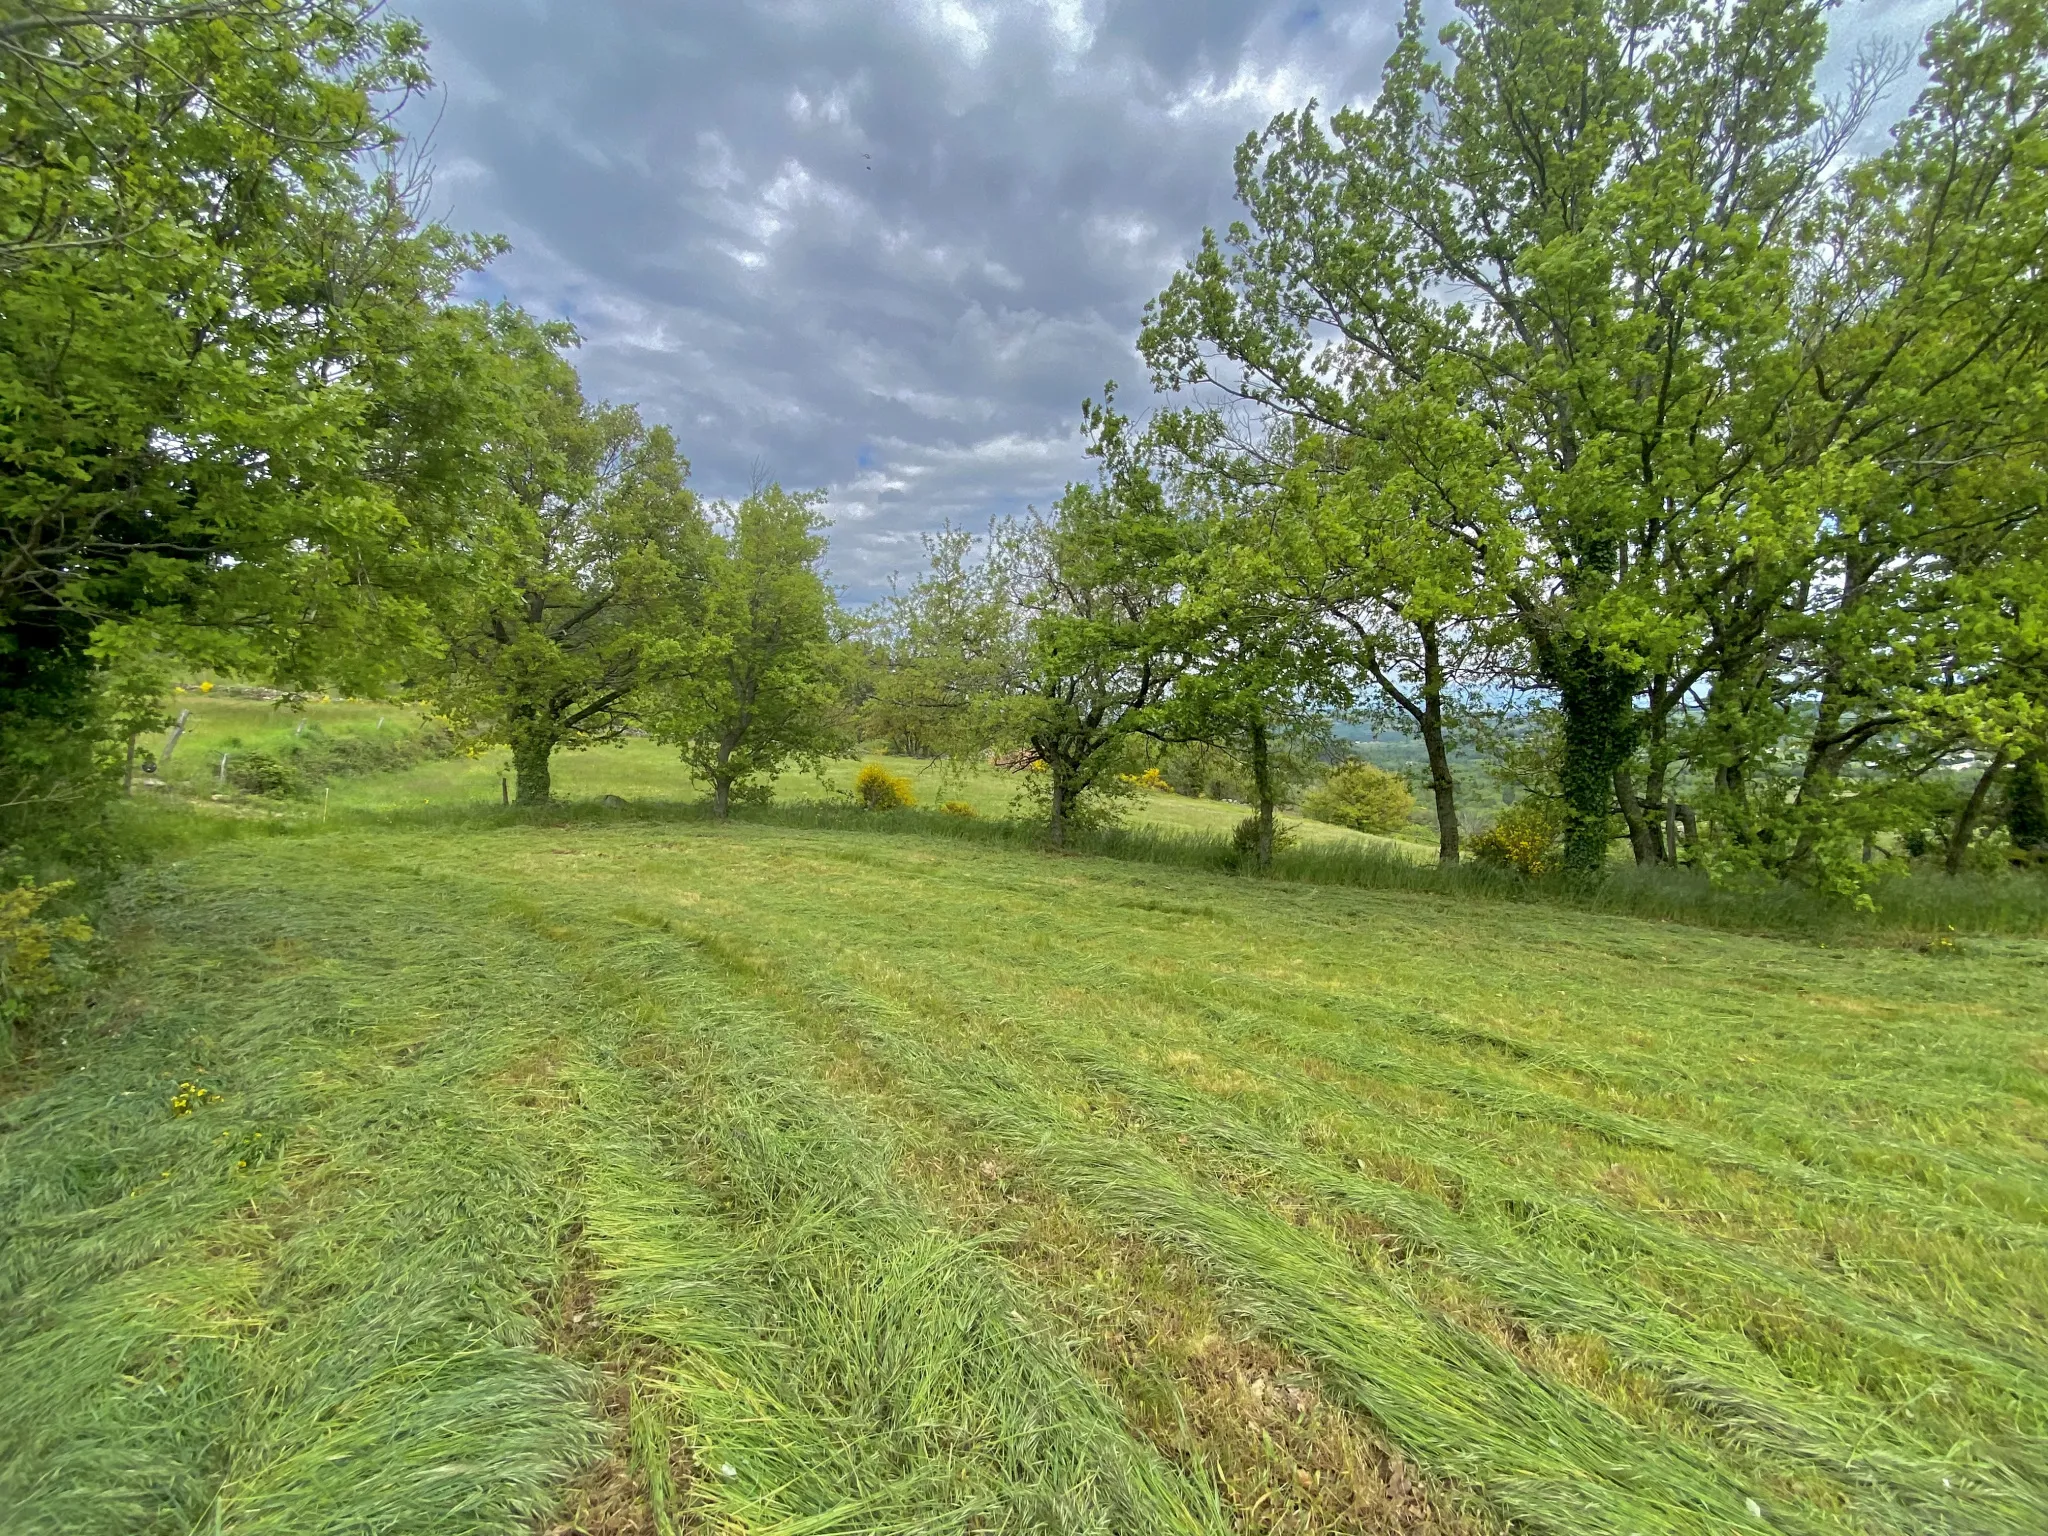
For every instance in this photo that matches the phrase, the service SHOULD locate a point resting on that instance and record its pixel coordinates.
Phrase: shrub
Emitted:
(1151, 779)
(258, 773)
(1528, 838)
(1244, 838)
(878, 789)
(317, 756)
(1203, 772)
(33, 948)
(1361, 797)
(958, 808)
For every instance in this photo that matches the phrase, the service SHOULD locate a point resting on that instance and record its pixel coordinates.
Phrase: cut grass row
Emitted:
(1611, 1228)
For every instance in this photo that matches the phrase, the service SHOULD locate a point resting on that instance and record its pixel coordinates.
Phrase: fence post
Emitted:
(171, 741)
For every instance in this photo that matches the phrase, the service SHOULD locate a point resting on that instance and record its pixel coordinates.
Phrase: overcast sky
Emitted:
(883, 247)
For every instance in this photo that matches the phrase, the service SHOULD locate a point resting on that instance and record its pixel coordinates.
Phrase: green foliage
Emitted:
(875, 788)
(258, 773)
(1362, 797)
(62, 771)
(1096, 798)
(297, 764)
(1096, 581)
(1527, 838)
(2026, 802)
(597, 559)
(1244, 840)
(755, 686)
(1575, 327)
(946, 653)
(318, 755)
(1200, 770)
(212, 291)
(38, 953)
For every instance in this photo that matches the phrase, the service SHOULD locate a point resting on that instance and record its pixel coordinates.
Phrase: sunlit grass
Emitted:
(641, 772)
(1158, 829)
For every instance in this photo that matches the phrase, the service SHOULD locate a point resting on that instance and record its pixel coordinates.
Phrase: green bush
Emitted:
(1361, 797)
(317, 756)
(1244, 838)
(36, 952)
(2026, 807)
(258, 773)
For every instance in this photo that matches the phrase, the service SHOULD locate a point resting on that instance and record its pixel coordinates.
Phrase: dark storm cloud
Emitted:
(879, 246)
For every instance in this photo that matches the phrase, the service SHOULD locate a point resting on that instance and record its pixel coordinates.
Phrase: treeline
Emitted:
(245, 424)
(1588, 366)
(1586, 398)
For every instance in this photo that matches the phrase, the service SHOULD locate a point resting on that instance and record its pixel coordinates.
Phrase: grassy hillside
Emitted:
(648, 1175)
(639, 771)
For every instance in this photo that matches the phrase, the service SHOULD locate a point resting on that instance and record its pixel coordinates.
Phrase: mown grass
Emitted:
(1158, 828)
(820, 1181)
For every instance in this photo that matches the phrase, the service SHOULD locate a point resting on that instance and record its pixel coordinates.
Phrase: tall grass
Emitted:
(1604, 1227)
(834, 1359)
(303, 1305)
(324, 1311)
(1435, 1383)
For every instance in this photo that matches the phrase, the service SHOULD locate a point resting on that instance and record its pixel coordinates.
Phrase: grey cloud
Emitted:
(881, 246)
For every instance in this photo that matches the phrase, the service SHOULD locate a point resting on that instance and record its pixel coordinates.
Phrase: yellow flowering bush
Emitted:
(1528, 838)
(958, 808)
(33, 947)
(1151, 779)
(878, 789)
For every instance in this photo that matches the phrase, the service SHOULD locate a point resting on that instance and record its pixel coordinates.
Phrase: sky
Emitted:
(880, 247)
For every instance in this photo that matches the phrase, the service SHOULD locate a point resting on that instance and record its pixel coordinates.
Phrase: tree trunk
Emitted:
(1443, 787)
(1657, 793)
(531, 771)
(1262, 783)
(1642, 840)
(128, 778)
(1427, 711)
(1598, 700)
(1056, 819)
(2027, 802)
(721, 782)
(1966, 818)
(1830, 746)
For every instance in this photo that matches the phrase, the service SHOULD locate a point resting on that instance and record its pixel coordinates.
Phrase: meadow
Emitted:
(1653, 420)
(641, 772)
(439, 1168)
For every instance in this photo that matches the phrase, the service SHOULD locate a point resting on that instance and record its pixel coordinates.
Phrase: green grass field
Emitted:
(639, 771)
(636, 1173)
